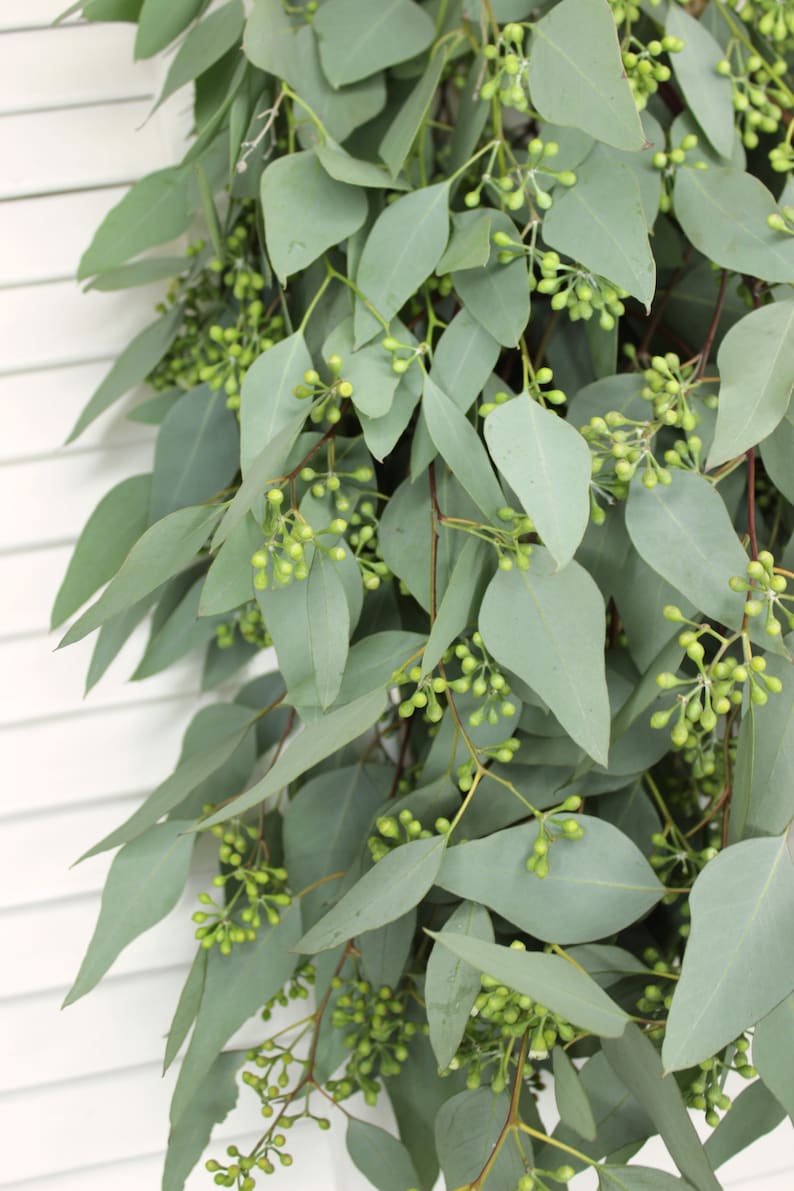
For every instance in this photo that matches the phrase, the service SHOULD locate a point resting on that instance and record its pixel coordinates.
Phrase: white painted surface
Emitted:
(82, 1104)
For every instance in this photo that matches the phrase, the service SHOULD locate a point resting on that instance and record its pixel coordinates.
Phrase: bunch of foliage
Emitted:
(473, 404)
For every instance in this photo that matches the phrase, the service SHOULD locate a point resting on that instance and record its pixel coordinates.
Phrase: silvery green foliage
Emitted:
(473, 394)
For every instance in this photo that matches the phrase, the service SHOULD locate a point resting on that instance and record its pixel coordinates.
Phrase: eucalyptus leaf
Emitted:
(452, 986)
(216, 1098)
(459, 444)
(572, 1102)
(708, 94)
(197, 453)
(355, 42)
(155, 210)
(380, 1157)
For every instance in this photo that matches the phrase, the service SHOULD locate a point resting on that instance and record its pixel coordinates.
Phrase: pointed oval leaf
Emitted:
(684, 532)
(402, 250)
(546, 978)
(638, 1178)
(197, 453)
(576, 74)
(153, 211)
(268, 404)
(742, 905)
(756, 367)
(401, 133)
(497, 295)
(215, 1098)
(461, 600)
(467, 1129)
(187, 1007)
(159, 24)
(145, 882)
(356, 40)
(306, 211)
(392, 887)
(451, 986)
(601, 222)
(547, 627)
(380, 1157)
(460, 446)
(708, 95)
(328, 626)
(763, 798)
(571, 1097)
(107, 537)
(547, 464)
(596, 885)
(773, 1046)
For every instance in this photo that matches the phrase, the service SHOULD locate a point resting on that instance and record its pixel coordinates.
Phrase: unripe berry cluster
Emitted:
(377, 1032)
(765, 589)
(580, 292)
(403, 355)
(282, 557)
(705, 1093)
(672, 851)
(508, 74)
(537, 380)
(668, 161)
(783, 220)
(394, 830)
(326, 399)
(758, 99)
(550, 830)
(538, 1179)
(618, 447)
(479, 674)
(643, 67)
(253, 890)
(499, 1017)
(248, 620)
(774, 19)
(671, 385)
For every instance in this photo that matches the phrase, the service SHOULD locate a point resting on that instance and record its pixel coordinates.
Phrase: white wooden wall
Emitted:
(82, 1104)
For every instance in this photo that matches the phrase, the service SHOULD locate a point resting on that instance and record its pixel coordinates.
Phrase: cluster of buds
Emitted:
(508, 76)
(670, 386)
(326, 399)
(377, 1032)
(756, 92)
(283, 554)
(580, 292)
(618, 447)
(403, 828)
(765, 589)
(550, 830)
(248, 621)
(668, 161)
(643, 67)
(704, 1092)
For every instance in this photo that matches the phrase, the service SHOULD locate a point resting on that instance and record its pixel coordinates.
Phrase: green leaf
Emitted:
(153, 211)
(145, 881)
(368, 370)
(576, 74)
(467, 1129)
(268, 403)
(204, 45)
(638, 1178)
(159, 25)
(497, 295)
(373, 660)
(339, 164)
(329, 626)
(262, 471)
(215, 1098)
(143, 272)
(756, 367)
(546, 626)
(742, 904)
(133, 365)
(108, 10)
(392, 887)
(546, 978)
(181, 633)
(112, 636)
(107, 537)
(708, 95)
(197, 452)
(164, 549)
(318, 741)
(684, 532)
(306, 211)
(236, 987)
(461, 447)
(572, 1102)
(229, 582)
(470, 243)
(384, 952)
(754, 1113)
(763, 798)
(402, 250)
(601, 222)
(777, 451)
(452, 986)
(723, 212)
(635, 1061)
(187, 1007)
(355, 41)
(380, 1157)
(188, 775)
(402, 132)
(773, 1046)
(461, 600)
(583, 898)
(547, 464)
(416, 1095)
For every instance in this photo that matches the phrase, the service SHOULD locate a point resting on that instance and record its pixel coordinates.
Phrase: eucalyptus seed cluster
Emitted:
(675, 860)
(618, 447)
(671, 386)
(539, 1180)
(669, 160)
(403, 355)
(508, 73)
(550, 830)
(766, 596)
(519, 185)
(580, 292)
(253, 889)
(403, 828)
(225, 325)
(758, 99)
(774, 19)
(643, 65)
(363, 538)
(326, 399)
(377, 1032)
(287, 535)
(247, 620)
(705, 1093)
(501, 1016)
